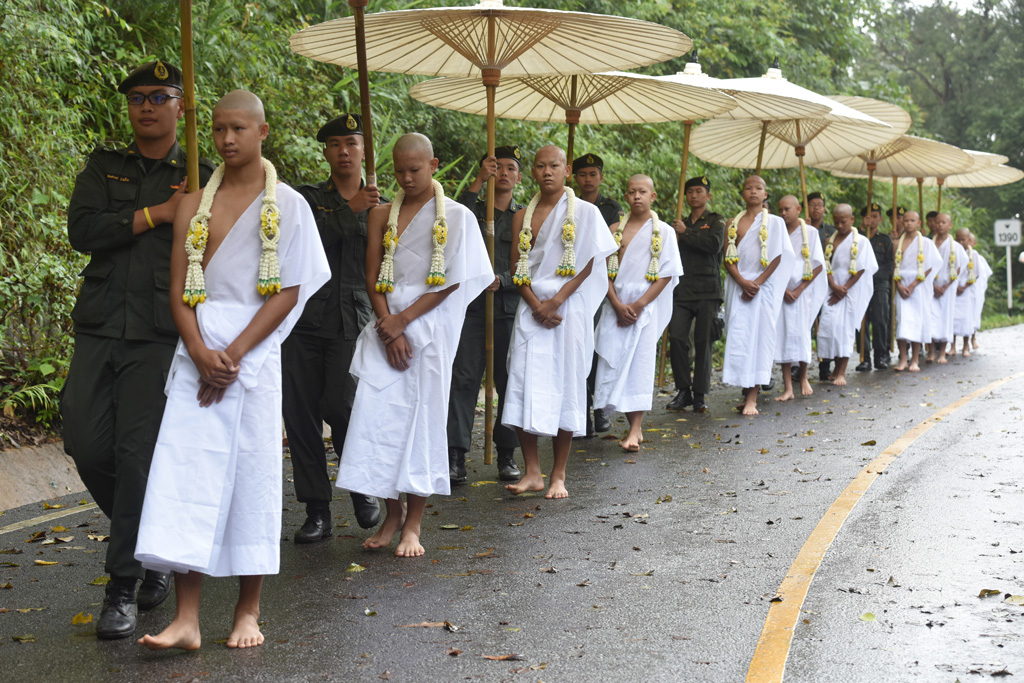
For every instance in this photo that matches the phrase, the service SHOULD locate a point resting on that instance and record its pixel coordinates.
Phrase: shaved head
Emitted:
(641, 178)
(757, 178)
(245, 102)
(547, 150)
(414, 143)
(789, 209)
(963, 233)
(789, 199)
(842, 210)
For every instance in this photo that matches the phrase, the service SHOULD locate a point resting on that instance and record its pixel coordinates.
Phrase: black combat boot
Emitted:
(507, 469)
(317, 526)
(456, 465)
(153, 590)
(120, 611)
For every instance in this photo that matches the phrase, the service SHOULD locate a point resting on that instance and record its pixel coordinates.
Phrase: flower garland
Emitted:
(805, 251)
(971, 277)
(269, 279)
(953, 274)
(567, 266)
(656, 244)
(896, 276)
(854, 250)
(386, 278)
(732, 256)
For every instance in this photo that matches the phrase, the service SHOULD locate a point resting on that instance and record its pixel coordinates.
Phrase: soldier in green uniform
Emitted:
(468, 368)
(816, 217)
(697, 296)
(588, 169)
(120, 214)
(315, 357)
(877, 316)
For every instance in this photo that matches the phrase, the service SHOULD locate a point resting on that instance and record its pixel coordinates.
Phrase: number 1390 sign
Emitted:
(1008, 232)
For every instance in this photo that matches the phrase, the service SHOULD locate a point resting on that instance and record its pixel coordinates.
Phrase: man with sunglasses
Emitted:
(120, 214)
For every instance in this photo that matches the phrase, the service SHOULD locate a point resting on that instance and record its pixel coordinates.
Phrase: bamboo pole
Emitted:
(491, 76)
(572, 117)
(760, 147)
(364, 90)
(892, 287)
(920, 196)
(189, 82)
(940, 182)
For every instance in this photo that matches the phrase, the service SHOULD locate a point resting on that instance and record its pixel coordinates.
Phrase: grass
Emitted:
(994, 320)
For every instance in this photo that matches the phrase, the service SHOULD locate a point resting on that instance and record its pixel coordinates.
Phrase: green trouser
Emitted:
(700, 314)
(316, 388)
(878, 323)
(467, 373)
(111, 407)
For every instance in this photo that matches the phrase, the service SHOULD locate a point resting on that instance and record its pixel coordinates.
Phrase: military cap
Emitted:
(815, 195)
(699, 181)
(931, 214)
(152, 73)
(586, 161)
(873, 206)
(900, 210)
(507, 152)
(346, 124)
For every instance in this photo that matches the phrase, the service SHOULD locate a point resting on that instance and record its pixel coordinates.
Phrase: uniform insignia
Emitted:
(704, 181)
(160, 71)
(350, 123)
(515, 150)
(590, 158)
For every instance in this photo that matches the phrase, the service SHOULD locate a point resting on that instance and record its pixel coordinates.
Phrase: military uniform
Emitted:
(878, 314)
(125, 337)
(611, 210)
(696, 300)
(468, 368)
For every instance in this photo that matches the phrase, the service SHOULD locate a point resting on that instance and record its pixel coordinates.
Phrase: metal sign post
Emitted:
(1008, 235)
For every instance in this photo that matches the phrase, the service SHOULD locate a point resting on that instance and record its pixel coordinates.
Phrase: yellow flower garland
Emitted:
(732, 256)
(567, 266)
(896, 276)
(805, 252)
(269, 279)
(971, 278)
(953, 274)
(656, 244)
(854, 250)
(436, 276)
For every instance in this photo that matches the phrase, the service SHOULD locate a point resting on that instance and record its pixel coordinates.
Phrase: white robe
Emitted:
(838, 324)
(626, 355)
(548, 368)
(984, 273)
(963, 312)
(396, 440)
(750, 325)
(795, 320)
(943, 308)
(213, 501)
(913, 315)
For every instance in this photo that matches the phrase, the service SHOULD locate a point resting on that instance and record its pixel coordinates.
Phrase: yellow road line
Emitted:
(769, 662)
(47, 518)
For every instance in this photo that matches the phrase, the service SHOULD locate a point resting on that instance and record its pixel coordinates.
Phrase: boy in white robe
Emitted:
(213, 500)
(984, 273)
(963, 314)
(917, 261)
(552, 346)
(397, 442)
(637, 310)
(944, 286)
(758, 259)
(850, 283)
(804, 295)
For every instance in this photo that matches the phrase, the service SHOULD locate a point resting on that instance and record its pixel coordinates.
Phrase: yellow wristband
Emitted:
(149, 219)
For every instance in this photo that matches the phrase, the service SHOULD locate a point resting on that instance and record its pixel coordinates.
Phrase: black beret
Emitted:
(873, 206)
(586, 161)
(815, 195)
(153, 73)
(931, 214)
(699, 181)
(507, 152)
(900, 210)
(346, 124)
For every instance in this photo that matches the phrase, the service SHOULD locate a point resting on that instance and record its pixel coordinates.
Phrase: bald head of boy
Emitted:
(415, 164)
(239, 127)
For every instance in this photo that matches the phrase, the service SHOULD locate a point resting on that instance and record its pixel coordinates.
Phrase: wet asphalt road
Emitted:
(613, 584)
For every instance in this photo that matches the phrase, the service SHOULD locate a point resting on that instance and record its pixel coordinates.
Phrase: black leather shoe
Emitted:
(367, 509)
(824, 370)
(456, 465)
(119, 613)
(507, 468)
(794, 373)
(863, 367)
(601, 421)
(153, 590)
(769, 386)
(317, 526)
(681, 400)
(699, 406)
(881, 364)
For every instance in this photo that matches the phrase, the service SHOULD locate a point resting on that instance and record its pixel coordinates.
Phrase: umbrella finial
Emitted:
(694, 59)
(692, 67)
(775, 64)
(774, 71)
(492, 4)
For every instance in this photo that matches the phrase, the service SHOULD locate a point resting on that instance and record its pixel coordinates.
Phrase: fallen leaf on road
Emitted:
(650, 573)
(869, 443)
(482, 483)
(99, 537)
(55, 506)
(867, 616)
(488, 551)
(355, 567)
(451, 627)
(466, 528)
(424, 624)
(504, 658)
(44, 563)
(549, 570)
(663, 499)
(777, 598)
(892, 582)
(584, 583)
(369, 612)
(58, 529)
(27, 638)
(81, 618)
(38, 536)
(1001, 672)
(512, 629)
(6, 587)
(988, 592)
(26, 610)
(449, 527)
(12, 551)
(453, 652)
(100, 581)
(1011, 599)
(9, 564)
(764, 450)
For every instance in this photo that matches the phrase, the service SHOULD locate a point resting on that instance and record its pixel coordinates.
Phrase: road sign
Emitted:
(1008, 232)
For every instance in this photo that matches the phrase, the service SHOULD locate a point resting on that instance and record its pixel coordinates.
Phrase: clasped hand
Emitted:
(547, 314)
(216, 373)
(389, 328)
(628, 314)
(750, 289)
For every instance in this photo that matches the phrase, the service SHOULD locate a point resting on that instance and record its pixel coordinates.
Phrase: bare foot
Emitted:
(385, 534)
(839, 380)
(966, 353)
(631, 444)
(557, 489)
(974, 343)
(741, 405)
(901, 367)
(177, 635)
(750, 407)
(409, 543)
(930, 358)
(246, 631)
(530, 482)
(805, 387)
(788, 396)
(914, 367)
(941, 360)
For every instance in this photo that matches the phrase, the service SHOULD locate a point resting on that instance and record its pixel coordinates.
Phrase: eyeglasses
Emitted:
(157, 98)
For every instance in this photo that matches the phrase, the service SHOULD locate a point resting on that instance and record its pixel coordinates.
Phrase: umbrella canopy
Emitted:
(518, 41)
(907, 156)
(988, 176)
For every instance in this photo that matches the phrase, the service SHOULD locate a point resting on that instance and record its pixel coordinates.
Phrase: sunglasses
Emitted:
(158, 98)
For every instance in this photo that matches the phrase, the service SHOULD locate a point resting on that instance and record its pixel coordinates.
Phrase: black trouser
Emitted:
(877, 319)
(467, 373)
(317, 388)
(699, 314)
(111, 406)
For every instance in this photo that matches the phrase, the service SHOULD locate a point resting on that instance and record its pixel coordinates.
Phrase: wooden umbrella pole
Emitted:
(364, 90)
(188, 76)
(760, 147)
(940, 181)
(920, 196)
(681, 199)
(490, 78)
(572, 117)
(892, 287)
(863, 322)
(803, 177)
(871, 180)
